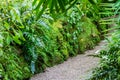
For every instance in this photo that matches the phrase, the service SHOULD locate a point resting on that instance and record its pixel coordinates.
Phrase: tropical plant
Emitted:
(110, 58)
(110, 61)
(52, 5)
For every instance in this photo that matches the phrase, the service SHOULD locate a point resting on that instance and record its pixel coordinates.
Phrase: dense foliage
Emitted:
(109, 68)
(110, 62)
(29, 44)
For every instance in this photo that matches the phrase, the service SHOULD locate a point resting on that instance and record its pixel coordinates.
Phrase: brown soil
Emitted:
(75, 68)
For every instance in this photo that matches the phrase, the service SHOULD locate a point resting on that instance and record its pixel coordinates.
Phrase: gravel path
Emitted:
(75, 68)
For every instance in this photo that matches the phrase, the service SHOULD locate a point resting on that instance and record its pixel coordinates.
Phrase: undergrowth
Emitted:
(108, 68)
(29, 45)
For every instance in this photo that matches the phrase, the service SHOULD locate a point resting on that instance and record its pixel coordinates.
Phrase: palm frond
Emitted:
(52, 5)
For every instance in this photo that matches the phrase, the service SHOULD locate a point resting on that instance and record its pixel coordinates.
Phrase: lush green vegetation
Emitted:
(110, 61)
(109, 68)
(31, 40)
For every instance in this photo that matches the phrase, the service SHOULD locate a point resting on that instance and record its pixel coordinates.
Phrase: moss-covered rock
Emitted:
(89, 35)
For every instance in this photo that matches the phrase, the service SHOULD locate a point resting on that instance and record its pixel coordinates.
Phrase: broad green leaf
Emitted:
(7, 26)
(16, 39)
(8, 39)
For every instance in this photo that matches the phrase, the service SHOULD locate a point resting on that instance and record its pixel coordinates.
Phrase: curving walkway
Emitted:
(75, 68)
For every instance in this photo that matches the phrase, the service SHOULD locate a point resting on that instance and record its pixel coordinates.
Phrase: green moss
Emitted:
(64, 50)
(89, 35)
(83, 43)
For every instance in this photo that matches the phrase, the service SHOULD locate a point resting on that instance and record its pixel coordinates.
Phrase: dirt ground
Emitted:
(75, 68)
